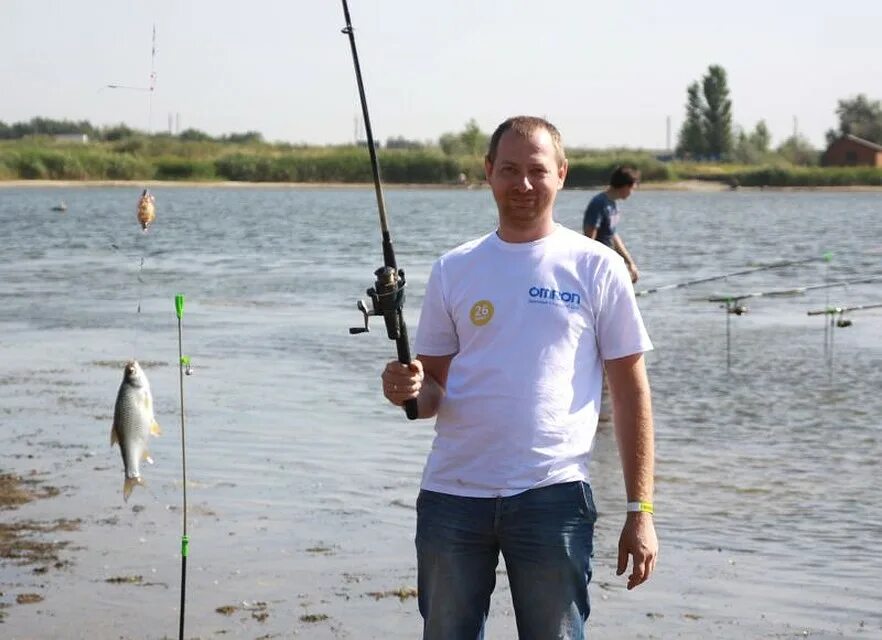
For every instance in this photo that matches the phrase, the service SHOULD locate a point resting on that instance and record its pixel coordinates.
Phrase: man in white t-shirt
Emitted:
(515, 331)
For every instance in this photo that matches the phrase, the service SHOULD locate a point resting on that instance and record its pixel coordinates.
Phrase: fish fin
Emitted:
(129, 484)
(148, 459)
(113, 438)
(155, 429)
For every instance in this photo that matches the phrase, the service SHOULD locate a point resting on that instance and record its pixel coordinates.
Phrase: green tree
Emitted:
(761, 138)
(473, 139)
(119, 132)
(718, 111)
(249, 137)
(754, 147)
(470, 141)
(860, 117)
(691, 139)
(195, 135)
(707, 129)
(400, 142)
(798, 150)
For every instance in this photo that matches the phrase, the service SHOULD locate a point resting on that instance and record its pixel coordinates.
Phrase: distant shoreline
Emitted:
(678, 185)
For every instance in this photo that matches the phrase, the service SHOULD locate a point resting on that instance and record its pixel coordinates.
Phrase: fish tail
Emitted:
(129, 484)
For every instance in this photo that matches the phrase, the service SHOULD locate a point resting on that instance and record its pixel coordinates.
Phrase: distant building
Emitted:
(82, 138)
(851, 151)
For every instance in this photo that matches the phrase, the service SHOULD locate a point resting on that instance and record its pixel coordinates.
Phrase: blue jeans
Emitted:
(546, 537)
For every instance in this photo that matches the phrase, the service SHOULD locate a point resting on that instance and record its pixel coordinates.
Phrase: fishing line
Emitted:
(137, 323)
(146, 207)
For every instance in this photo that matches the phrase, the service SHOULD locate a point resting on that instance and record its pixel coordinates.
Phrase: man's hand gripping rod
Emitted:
(387, 294)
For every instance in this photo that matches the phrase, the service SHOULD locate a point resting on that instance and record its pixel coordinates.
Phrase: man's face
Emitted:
(525, 178)
(627, 190)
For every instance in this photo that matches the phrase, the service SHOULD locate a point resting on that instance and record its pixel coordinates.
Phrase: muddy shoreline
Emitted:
(23, 543)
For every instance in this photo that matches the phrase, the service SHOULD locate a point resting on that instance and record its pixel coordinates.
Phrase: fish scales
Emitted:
(133, 423)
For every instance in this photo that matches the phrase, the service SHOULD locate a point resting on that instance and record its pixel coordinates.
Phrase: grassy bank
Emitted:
(170, 158)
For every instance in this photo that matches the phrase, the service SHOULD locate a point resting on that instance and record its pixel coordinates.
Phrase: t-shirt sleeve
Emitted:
(436, 331)
(619, 325)
(594, 214)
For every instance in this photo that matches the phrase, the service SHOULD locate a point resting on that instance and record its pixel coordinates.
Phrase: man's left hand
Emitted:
(639, 541)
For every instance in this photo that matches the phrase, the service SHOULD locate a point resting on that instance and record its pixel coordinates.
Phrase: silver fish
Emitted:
(133, 422)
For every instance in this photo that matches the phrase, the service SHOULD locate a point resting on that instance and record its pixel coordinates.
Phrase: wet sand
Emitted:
(79, 563)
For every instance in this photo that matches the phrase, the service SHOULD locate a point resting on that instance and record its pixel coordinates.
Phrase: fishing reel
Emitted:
(387, 299)
(735, 308)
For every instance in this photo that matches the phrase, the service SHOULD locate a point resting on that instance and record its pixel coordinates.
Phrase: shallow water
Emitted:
(301, 479)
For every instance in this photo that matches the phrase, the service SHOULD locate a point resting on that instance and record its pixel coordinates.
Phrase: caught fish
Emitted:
(133, 422)
(146, 210)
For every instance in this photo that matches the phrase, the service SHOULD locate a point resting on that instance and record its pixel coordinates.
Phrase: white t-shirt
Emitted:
(530, 324)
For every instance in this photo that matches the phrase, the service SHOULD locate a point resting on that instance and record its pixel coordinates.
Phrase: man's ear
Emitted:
(562, 174)
(488, 168)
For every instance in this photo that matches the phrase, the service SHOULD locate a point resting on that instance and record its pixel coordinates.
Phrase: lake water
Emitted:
(302, 479)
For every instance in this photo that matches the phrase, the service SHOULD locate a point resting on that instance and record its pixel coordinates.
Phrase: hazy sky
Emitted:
(606, 73)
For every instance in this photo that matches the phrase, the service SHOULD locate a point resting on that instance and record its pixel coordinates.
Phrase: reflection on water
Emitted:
(290, 447)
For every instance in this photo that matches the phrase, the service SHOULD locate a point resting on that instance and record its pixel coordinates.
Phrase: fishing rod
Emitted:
(837, 320)
(151, 83)
(783, 293)
(387, 294)
(183, 368)
(827, 257)
(733, 303)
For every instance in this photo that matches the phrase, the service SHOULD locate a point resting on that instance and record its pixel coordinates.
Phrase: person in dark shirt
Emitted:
(602, 214)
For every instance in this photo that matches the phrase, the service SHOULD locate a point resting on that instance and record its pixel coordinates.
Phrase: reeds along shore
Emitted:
(170, 159)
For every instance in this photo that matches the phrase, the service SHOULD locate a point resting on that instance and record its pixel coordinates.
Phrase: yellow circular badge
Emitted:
(481, 313)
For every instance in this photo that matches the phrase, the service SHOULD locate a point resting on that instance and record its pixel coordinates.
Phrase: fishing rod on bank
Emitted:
(733, 303)
(837, 320)
(183, 368)
(387, 294)
(826, 257)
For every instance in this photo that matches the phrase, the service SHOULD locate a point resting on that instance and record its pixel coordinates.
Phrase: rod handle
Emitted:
(411, 409)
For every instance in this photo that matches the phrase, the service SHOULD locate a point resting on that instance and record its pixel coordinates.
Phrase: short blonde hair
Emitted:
(526, 126)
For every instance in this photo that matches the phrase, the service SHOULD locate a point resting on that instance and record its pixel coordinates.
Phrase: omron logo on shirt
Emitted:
(544, 295)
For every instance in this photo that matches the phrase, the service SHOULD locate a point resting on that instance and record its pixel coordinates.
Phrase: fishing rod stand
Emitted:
(387, 300)
(733, 306)
(837, 320)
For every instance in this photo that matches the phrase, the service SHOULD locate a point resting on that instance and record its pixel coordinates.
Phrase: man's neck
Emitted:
(517, 235)
(613, 193)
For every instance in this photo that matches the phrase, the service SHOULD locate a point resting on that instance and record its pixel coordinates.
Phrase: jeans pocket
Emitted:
(587, 507)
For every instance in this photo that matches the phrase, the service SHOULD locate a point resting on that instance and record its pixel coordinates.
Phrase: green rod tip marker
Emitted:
(827, 256)
(179, 305)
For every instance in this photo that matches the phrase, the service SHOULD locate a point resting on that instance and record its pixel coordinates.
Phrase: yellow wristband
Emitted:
(645, 507)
